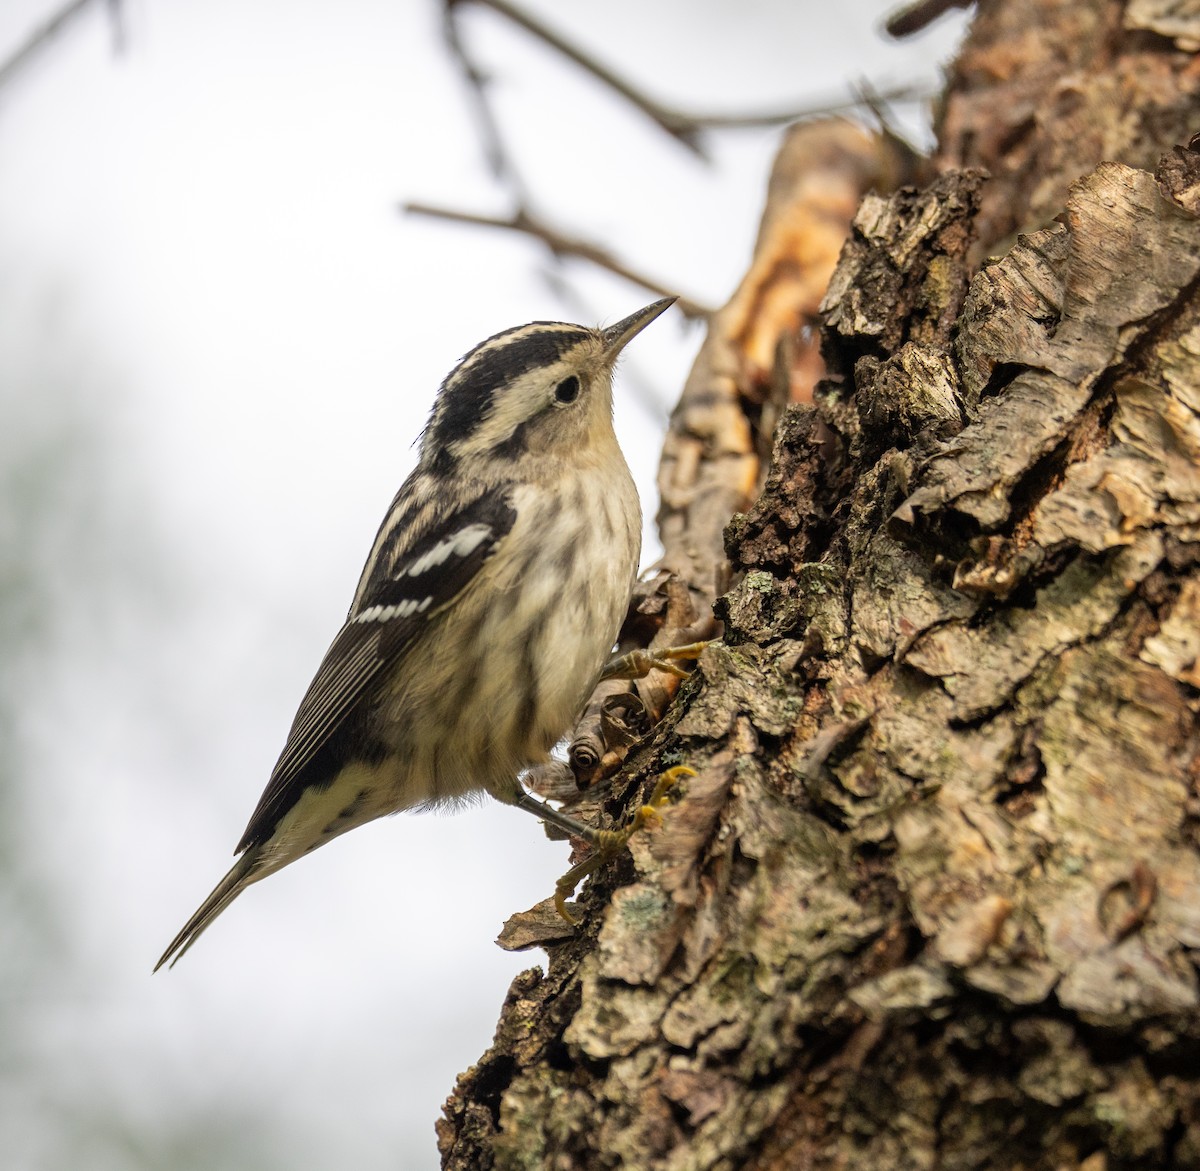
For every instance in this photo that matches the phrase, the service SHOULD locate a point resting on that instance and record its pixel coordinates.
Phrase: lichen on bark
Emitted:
(933, 898)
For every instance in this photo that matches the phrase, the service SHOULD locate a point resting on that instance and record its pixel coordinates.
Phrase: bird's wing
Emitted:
(394, 601)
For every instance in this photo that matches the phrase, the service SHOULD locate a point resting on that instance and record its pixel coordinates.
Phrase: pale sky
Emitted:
(218, 341)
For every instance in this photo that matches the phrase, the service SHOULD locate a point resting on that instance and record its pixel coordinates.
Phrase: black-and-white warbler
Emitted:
(484, 615)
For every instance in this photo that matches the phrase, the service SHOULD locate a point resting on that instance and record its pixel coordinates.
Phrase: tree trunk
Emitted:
(933, 897)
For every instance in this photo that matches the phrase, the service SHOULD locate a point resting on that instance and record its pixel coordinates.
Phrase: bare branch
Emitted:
(817, 109)
(680, 127)
(912, 18)
(685, 127)
(880, 106)
(560, 244)
(495, 151)
(44, 33)
(116, 20)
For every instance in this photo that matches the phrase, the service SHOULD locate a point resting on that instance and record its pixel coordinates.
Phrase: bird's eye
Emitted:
(567, 391)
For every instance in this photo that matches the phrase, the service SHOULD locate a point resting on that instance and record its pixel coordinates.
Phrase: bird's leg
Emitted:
(577, 829)
(639, 663)
(608, 843)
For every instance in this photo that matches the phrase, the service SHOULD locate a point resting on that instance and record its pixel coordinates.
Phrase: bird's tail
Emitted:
(247, 869)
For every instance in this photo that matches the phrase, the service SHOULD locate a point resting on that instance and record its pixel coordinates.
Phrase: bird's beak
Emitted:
(617, 337)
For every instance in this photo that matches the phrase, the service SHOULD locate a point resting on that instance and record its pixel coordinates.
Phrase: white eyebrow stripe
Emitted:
(459, 545)
(405, 609)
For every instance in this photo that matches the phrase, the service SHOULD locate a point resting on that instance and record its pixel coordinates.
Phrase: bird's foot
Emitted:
(609, 843)
(638, 664)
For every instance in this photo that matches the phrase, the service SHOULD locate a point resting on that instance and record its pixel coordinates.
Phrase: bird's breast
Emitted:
(514, 657)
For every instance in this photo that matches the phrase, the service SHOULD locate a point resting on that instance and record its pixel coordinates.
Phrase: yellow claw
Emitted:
(668, 780)
(609, 843)
(563, 889)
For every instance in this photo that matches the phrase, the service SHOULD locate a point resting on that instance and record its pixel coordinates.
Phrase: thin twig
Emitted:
(679, 127)
(878, 103)
(116, 20)
(912, 18)
(818, 109)
(44, 32)
(560, 244)
(496, 153)
(687, 128)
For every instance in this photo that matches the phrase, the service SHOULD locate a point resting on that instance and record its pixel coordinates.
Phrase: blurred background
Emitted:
(219, 338)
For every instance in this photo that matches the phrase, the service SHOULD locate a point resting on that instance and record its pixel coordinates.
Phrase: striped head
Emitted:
(529, 393)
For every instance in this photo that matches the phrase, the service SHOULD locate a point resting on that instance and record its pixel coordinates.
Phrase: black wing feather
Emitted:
(405, 589)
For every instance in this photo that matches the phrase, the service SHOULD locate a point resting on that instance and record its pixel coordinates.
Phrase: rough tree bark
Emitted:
(933, 897)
